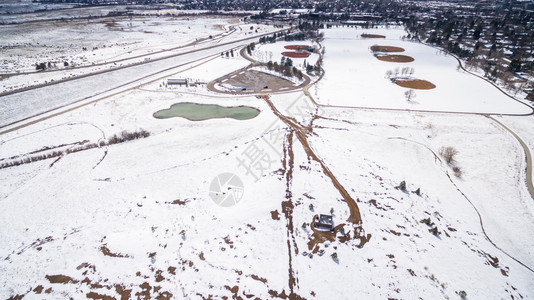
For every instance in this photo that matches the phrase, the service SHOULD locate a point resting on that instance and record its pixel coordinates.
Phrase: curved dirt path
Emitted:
(525, 148)
(354, 216)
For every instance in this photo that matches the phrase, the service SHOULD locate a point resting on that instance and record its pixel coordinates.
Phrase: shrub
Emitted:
(426, 221)
(334, 257)
(457, 171)
(128, 136)
(448, 153)
(434, 231)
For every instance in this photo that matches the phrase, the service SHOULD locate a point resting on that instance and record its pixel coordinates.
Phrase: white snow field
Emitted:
(27, 103)
(273, 52)
(354, 77)
(90, 42)
(138, 219)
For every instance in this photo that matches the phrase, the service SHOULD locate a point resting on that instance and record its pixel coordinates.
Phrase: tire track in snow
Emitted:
(287, 209)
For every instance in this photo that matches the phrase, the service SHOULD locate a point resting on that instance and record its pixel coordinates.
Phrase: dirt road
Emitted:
(301, 133)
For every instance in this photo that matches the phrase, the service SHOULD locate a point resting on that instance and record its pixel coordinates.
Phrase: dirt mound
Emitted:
(396, 58)
(296, 54)
(377, 48)
(373, 36)
(297, 47)
(417, 84)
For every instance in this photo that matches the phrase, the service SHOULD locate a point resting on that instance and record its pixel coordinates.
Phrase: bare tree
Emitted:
(448, 153)
(409, 94)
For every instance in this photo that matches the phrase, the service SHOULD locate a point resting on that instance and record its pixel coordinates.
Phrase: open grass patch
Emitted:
(201, 112)
(372, 36)
(417, 84)
(395, 58)
(378, 48)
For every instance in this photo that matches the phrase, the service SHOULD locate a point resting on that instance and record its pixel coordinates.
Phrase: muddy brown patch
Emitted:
(258, 278)
(372, 36)
(417, 84)
(38, 289)
(63, 279)
(123, 292)
(159, 276)
(377, 48)
(396, 58)
(276, 294)
(145, 291)
(105, 250)
(320, 236)
(93, 295)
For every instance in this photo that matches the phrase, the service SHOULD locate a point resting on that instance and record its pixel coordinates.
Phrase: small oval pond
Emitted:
(201, 112)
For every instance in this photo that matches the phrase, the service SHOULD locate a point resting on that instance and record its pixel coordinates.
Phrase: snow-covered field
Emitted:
(8, 7)
(137, 219)
(273, 52)
(354, 77)
(85, 43)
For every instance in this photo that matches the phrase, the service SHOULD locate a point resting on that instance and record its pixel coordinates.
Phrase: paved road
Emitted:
(30, 103)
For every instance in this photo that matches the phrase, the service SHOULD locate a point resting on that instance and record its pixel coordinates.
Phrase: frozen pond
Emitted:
(201, 112)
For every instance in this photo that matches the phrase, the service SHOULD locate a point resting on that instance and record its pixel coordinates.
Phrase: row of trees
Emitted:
(301, 35)
(115, 139)
(250, 48)
(285, 69)
(272, 38)
(403, 72)
(48, 65)
(228, 53)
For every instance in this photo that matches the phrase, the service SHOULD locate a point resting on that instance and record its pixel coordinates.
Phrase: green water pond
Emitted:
(201, 112)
